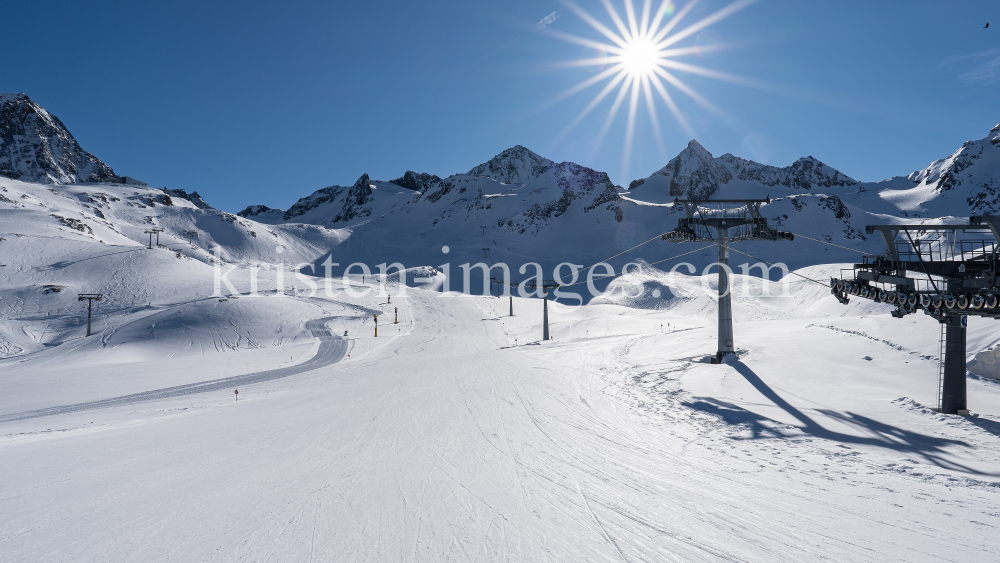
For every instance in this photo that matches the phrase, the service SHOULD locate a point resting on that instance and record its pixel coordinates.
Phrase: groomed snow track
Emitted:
(331, 350)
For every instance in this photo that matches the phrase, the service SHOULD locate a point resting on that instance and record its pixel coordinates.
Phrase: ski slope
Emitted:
(457, 435)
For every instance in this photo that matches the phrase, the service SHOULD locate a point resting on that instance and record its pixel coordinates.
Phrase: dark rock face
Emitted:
(835, 204)
(516, 165)
(252, 210)
(317, 198)
(444, 188)
(695, 174)
(36, 147)
(416, 182)
(357, 196)
(804, 174)
(193, 197)
(354, 201)
(610, 197)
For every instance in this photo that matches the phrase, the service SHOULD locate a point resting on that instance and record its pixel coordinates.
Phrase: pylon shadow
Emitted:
(872, 432)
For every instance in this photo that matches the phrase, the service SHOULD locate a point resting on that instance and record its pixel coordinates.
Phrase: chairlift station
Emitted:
(947, 276)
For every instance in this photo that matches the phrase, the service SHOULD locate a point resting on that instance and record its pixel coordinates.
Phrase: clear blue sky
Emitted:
(264, 102)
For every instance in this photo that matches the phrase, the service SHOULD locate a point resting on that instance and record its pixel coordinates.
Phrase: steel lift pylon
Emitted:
(724, 221)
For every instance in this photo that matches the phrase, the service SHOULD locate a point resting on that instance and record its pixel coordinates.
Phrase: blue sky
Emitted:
(255, 102)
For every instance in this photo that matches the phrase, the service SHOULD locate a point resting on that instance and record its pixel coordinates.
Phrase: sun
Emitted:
(640, 57)
(640, 60)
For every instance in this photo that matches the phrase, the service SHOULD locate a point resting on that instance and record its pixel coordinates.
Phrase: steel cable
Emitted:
(772, 265)
(830, 243)
(623, 271)
(622, 252)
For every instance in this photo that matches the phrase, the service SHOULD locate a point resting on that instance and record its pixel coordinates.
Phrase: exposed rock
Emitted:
(317, 198)
(804, 174)
(252, 211)
(357, 196)
(193, 197)
(694, 174)
(36, 147)
(516, 165)
(416, 182)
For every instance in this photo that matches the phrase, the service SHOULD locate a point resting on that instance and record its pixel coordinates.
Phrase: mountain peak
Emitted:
(35, 146)
(516, 165)
(694, 145)
(361, 190)
(13, 97)
(695, 174)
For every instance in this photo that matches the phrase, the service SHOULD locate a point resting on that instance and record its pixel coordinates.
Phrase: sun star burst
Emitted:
(639, 60)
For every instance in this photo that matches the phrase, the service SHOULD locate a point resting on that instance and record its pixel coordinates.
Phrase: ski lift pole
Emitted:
(90, 297)
(545, 286)
(509, 283)
(153, 231)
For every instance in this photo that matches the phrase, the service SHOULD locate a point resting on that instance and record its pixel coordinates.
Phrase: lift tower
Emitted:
(90, 298)
(510, 284)
(153, 231)
(545, 286)
(931, 267)
(723, 221)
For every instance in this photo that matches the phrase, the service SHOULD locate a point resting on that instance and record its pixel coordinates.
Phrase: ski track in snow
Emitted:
(450, 443)
(332, 349)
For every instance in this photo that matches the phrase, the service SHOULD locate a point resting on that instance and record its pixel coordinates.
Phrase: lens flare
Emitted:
(707, 44)
(758, 147)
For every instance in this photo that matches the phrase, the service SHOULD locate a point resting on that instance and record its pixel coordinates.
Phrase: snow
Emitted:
(457, 434)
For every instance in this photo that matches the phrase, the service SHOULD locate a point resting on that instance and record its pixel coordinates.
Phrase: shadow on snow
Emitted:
(878, 433)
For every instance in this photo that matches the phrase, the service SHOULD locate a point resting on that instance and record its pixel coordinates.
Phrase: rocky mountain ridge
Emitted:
(520, 207)
(696, 174)
(36, 147)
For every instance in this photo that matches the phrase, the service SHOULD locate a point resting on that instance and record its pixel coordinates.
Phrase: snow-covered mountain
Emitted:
(518, 207)
(521, 207)
(36, 147)
(965, 183)
(696, 174)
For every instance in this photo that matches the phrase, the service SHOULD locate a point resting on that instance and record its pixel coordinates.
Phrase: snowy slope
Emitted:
(116, 214)
(449, 438)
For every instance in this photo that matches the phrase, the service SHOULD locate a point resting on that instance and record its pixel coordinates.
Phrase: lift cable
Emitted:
(650, 264)
(830, 243)
(623, 252)
(772, 265)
